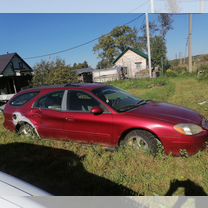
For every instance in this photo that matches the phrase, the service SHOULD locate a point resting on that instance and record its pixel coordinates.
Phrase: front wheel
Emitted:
(143, 140)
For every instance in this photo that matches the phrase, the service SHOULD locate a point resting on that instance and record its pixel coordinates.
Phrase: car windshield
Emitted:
(118, 99)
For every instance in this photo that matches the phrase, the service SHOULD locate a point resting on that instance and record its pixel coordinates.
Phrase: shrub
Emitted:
(202, 72)
(61, 76)
(53, 72)
(159, 82)
(181, 71)
(171, 73)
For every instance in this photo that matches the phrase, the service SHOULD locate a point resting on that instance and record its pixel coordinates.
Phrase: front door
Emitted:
(82, 125)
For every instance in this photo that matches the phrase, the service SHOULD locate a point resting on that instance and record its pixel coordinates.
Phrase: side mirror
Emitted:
(96, 110)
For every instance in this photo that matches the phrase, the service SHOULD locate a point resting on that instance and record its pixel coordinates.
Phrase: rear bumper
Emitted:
(8, 124)
(192, 144)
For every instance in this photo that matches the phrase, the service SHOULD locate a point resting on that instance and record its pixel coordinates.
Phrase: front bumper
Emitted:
(191, 144)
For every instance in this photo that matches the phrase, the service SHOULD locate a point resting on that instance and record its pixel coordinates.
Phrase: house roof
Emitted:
(137, 51)
(84, 70)
(5, 60)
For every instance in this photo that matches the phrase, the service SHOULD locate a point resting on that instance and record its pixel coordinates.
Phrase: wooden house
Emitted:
(15, 74)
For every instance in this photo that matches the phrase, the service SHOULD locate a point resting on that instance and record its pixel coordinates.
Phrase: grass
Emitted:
(157, 89)
(66, 168)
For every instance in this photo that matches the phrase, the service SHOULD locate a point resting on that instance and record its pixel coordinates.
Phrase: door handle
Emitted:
(69, 118)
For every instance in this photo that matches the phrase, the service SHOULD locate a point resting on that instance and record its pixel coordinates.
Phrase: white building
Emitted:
(105, 75)
(134, 61)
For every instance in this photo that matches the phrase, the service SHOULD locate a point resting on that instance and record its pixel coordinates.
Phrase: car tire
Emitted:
(27, 130)
(143, 140)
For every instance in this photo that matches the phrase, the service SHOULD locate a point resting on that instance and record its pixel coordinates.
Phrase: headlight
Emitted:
(188, 129)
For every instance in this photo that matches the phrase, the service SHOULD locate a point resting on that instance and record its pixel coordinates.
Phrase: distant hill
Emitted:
(182, 64)
(197, 60)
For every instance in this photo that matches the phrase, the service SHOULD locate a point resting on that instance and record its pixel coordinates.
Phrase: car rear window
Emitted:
(52, 101)
(23, 98)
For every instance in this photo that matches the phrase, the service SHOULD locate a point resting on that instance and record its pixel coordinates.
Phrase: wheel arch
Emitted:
(122, 136)
(19, 124)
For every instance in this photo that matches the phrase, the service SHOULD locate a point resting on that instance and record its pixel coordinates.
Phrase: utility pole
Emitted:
(162, 66)
(152, 6)
(148, 45)
(180, 58)
(190, 44)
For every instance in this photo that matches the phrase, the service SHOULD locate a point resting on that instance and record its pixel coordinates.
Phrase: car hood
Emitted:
(166, 112)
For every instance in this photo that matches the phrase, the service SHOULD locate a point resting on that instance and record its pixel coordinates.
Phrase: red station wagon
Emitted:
(101, 114)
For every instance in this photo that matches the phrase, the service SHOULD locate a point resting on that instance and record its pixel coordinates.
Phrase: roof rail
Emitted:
(72, 85)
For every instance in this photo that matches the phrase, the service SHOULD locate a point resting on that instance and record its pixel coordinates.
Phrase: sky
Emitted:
(37, 34)
(101, 6)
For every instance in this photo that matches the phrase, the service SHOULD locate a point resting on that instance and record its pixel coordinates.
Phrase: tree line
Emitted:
(122, 37)
(56, 72)
(108, 48)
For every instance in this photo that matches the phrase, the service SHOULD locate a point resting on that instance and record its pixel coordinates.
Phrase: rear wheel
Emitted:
(27, 130)
(143, 140)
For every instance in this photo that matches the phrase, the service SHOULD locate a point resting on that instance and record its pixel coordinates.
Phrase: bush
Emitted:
(177, 71)
(171, 73)
(159, 82)
(202, 72)
(53, 72)
(181, 70)
(61, 75)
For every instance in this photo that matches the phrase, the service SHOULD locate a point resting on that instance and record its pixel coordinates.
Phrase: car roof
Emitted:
(85, 86)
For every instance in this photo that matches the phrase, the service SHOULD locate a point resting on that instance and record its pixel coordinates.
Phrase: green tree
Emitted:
(157, 27)
(111, 45)
(41, 71)
(61, 75)
(158, 33)
(158, 51)
(53, 72)
(165, 23)
(104, 63)
(80, 65)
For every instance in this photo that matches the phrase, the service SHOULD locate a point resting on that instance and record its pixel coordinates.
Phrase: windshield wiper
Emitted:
(126, 108)
(141, 102)
(129, 107)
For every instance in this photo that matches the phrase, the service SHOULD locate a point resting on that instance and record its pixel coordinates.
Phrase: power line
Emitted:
(141, 5)
(80, 45)
(143, 21)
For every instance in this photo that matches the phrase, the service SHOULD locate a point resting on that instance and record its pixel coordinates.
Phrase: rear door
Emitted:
(81, 124)
(49, 114)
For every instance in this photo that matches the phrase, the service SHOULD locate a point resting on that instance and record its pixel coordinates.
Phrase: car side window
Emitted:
(51, 101)
(82, 102)
(23, 98)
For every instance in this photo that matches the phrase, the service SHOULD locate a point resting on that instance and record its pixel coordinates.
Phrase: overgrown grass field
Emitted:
(66, 168)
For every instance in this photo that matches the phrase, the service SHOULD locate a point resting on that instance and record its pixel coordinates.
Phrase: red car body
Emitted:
(110, 127)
